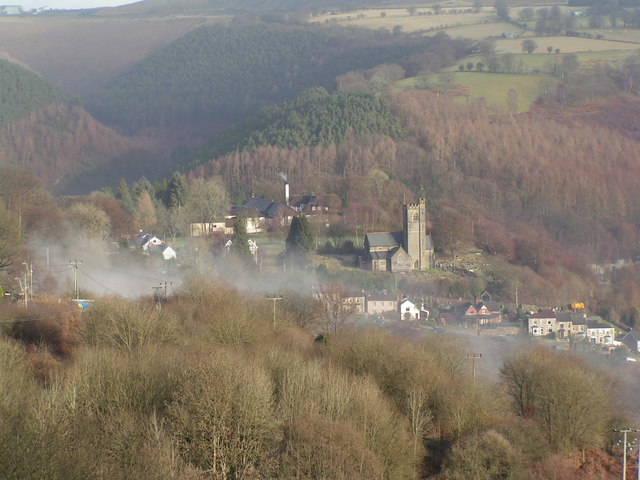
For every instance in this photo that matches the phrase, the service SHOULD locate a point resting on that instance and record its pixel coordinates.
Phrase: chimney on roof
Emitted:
(286, 192)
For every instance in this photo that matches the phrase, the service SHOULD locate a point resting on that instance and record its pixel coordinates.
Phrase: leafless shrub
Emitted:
(58, 326)
(127, 325)
(320, 448)
(222, 418)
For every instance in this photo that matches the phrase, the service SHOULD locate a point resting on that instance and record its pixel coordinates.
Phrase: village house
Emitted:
(324, 206)
(211, 228)
(262, 212)
(356, 301)
(163, 250)
(409, 311)
(568, 324)
(600, 334)
(542, 323)
(253, 248)
(406, 251)
(150, 244)
(144, 241)
(470, 313)
(377, 304)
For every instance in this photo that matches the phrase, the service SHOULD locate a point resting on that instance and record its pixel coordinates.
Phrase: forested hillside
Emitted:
(220, 74)
(542, 193)
(313, 118)
(56, 139)
(23, 92)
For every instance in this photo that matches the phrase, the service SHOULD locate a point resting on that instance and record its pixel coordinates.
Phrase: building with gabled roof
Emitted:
(632, 340)
(409, 250)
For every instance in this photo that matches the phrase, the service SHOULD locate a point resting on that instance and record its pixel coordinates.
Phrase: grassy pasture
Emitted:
(80, 54)
(565, 44)
(483, 30)
(400, 16)
(493, 88)
(618, 34)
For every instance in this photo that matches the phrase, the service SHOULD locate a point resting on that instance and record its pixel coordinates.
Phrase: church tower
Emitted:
(415, 240)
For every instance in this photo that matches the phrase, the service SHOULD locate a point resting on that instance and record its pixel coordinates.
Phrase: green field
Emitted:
(493, 88)
(484, 30)
(565, 44)
(388, 18)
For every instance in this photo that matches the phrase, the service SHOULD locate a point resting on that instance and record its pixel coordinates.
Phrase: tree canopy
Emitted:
(23, 92)
(221, 74)
(313, 118)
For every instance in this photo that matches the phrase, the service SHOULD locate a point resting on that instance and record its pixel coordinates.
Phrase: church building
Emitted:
(406, 251)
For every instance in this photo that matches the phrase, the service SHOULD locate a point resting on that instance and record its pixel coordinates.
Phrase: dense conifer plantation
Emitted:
(220, 74)
(313, 118)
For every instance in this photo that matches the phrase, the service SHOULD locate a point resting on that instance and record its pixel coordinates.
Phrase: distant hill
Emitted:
(313, 118)
(221, 74)
(80, 54)
(240, 6)
(23, 92)
(44, 131)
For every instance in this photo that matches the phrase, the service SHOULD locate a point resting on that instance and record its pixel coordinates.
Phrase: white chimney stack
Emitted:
(286, 193)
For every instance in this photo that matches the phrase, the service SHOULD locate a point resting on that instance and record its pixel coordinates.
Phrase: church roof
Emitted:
(379, 255)
(384, 239)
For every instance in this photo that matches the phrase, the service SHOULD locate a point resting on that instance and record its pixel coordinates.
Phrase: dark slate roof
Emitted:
(544, 314)
(493, 306)
(384, 239)
(381, 297)
(397, 251)
(260, 204)
(379, 255)
(635, 334)
(569, 317)
(598, 325)
(278, 209)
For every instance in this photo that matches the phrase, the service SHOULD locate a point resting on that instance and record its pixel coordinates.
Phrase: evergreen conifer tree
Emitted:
(300, 239)
(240, 241)
(177, 190)
(124, 195)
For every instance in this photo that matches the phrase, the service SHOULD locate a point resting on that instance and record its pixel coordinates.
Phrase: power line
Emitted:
(96, 281)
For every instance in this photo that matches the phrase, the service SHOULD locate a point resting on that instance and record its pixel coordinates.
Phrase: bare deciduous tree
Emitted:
(337, 308)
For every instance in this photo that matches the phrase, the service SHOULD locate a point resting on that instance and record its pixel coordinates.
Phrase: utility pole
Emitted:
(274, 299)
(75, 264)
(156, 296)
(159, 298)
(624, 432)
(474, 357)
(28, 282)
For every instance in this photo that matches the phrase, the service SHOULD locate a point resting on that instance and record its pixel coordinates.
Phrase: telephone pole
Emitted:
(624, 432)
(28, 283)
(75, 264)
(474, 357)
(274, 299)
(159, 298)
